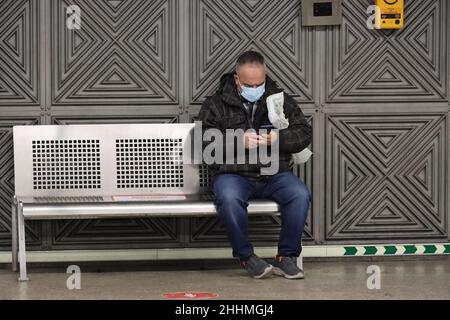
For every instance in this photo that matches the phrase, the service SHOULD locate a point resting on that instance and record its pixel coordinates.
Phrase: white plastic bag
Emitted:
(275, 105)
(302, 156)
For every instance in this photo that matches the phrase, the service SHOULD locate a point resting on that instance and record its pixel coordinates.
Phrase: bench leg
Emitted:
(14, 246)
(22, 251)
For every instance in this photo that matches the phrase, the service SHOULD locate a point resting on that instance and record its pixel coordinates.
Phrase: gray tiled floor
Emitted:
(416, 279)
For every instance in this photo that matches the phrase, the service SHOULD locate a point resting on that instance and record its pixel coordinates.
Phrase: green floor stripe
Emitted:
(370, 250)
(350, 251)
(410, 249)
(390, 250)
(430, 249)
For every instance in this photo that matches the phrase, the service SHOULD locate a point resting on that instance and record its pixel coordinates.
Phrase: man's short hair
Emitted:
(249, 57)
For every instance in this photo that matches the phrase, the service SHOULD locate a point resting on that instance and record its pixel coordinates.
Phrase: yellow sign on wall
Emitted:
(390, 15)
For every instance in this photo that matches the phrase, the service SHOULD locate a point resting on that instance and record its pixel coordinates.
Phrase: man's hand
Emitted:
(252, 140)
(268, 138)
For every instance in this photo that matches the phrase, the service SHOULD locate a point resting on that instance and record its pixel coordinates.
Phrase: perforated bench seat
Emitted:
(51, 208)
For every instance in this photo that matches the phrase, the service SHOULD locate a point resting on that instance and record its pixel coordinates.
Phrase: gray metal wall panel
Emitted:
(262, 230)
(115, 233)
(126, 52)
(385, 176)
(20, 68)
(378, 101)
(221, 30)
(8, 119)
(384, 66)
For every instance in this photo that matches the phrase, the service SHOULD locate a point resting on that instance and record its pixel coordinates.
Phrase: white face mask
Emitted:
(252, 94)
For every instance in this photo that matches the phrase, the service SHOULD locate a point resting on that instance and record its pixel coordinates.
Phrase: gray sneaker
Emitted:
(287, 267)
(256, 267)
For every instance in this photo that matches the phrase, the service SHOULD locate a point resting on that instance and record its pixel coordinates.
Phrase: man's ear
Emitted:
(236, 81)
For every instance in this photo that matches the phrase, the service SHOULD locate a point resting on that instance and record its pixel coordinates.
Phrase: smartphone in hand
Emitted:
(265, 128)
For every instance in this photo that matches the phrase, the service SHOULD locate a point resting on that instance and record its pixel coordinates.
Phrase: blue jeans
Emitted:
(232, 193)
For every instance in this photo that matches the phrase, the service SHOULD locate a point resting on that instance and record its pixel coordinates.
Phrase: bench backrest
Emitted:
(106, 160)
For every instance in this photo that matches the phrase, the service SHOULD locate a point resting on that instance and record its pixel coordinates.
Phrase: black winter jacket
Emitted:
(225, 110)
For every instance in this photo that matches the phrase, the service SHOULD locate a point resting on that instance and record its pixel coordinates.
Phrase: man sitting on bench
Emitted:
(240, 103)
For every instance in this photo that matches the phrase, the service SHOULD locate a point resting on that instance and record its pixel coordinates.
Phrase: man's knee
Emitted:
(228, 191)
(229, 197)
(303, 193)
(297, 192)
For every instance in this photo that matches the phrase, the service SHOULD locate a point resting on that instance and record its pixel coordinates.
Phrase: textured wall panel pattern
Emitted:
(33, 229)
(220, 30)
(118, 233)
(19, 53)
(364, 65)
(125, 52)
(386, 177)
(377, 100)
(264, 229)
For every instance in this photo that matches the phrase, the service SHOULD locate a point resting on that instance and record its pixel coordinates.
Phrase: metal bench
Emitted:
(108, 171)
